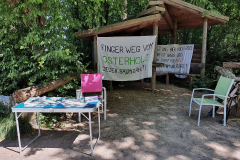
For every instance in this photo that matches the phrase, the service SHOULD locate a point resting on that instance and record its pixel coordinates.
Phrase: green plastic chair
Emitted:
(221, 91)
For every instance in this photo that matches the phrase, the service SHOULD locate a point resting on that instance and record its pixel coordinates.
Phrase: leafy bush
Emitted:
(208, 81)
(49, 120)
(8, 128)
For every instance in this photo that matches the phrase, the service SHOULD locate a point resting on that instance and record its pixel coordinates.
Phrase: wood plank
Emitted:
(167, 79)
(153, 10)
(175, 26)
(167, 17)
(187, 25)
(119, 26)
(196, 56)
(135, 28)
(196, 10)
(196, 61)
(154, 3)
(196, 65)
(204, 46)
(157, 64)
(187, 17)
(153, 80)
(233, 65)
(192, 75)
(163, 22)
(197, 51)
(194, 25)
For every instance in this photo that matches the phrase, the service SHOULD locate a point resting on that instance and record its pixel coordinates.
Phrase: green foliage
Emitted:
(208, 81)
(48, 120)
(34, 50)
(3, 110)
(8, 125)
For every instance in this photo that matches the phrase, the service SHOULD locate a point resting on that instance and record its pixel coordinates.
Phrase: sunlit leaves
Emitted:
(35, 49)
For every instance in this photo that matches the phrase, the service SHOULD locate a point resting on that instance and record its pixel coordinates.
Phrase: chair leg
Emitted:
(213, 114)
(190, 107)
(225, 116)
(199, 114)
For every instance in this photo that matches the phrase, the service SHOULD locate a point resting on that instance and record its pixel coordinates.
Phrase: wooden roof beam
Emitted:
(119, 26)
(167, 17)
(153, 10)
(154, 3)
(196, 10)
(144, 25)
(131, 31)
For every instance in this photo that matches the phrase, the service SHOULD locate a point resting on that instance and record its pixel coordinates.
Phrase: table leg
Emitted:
(18, 133)
(90, 129)
(38, 124)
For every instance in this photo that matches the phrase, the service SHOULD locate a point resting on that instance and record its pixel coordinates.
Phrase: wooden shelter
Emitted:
(161, 17)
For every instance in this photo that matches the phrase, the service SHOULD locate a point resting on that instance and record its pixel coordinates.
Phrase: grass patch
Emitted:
(8, 128)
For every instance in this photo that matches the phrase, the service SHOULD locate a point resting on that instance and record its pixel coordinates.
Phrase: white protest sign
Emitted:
(125, 58)
(176, 58)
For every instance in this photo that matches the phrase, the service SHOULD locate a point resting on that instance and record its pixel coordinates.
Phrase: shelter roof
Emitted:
(165, 13)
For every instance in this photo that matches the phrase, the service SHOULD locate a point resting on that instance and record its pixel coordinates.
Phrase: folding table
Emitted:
(91, 104)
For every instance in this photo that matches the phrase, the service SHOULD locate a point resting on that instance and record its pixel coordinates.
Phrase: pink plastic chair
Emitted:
(93, 83)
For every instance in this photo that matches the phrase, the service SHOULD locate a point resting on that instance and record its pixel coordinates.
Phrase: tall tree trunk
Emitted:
(106, 9)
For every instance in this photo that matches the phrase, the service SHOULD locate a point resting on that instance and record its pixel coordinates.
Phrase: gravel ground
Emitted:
(140, 125)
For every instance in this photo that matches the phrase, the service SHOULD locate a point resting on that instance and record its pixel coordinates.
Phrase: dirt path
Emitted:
(140, 125)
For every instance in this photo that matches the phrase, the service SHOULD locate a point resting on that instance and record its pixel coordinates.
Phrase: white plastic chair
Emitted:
(221, 91)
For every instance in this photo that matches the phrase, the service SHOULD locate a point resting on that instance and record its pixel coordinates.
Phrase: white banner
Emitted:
(125, 58)
(176, 58)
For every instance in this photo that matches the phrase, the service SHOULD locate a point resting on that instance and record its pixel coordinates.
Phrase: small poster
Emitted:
(176, 58)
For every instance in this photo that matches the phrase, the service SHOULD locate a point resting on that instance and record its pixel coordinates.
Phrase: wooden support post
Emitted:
(153, 80)
(175, 32)
(95, 54)
(204, 46)
(174, 42)
(142, 81)
(111, 86)
(167, 79)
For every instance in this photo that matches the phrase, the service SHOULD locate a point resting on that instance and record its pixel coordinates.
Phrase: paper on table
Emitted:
(72, 103)
(36, 102)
